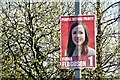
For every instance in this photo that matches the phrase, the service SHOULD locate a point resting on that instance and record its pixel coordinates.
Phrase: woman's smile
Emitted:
(78, 39)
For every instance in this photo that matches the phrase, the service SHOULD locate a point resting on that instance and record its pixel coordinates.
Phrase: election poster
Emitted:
(78, 42)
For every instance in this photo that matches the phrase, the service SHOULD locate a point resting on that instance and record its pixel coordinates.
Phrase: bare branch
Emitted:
(116, 3)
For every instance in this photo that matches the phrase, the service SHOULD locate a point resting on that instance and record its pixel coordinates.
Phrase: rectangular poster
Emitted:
(78, 42)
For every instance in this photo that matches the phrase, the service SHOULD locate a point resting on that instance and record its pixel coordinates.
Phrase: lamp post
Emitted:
(77, 12)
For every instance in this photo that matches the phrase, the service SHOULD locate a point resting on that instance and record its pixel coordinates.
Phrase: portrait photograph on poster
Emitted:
(78, 42)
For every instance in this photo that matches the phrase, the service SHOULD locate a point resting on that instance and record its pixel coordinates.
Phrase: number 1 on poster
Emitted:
(91, 60)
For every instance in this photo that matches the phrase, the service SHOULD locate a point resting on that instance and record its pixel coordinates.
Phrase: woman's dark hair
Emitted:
(71, 46)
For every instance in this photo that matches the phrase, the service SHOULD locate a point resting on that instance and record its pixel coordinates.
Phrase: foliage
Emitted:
(107, 42)
(31, 40)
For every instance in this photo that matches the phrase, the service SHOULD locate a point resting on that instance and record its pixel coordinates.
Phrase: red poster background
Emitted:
(65, 28)
(66, 23)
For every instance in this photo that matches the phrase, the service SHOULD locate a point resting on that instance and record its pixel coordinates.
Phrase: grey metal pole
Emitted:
(77, 7)
(77, 12)
(78, 74)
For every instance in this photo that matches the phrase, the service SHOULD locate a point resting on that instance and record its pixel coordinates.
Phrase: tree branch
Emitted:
(29, 73)
(111, 6)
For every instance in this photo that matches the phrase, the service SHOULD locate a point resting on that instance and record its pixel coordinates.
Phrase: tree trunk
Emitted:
(99, 40)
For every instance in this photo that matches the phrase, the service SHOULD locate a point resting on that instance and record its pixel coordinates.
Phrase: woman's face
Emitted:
(78, 35)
